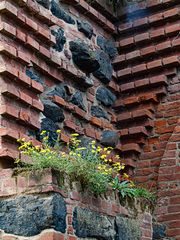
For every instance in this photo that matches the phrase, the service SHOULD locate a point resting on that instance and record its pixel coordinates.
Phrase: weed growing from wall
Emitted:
(93, 166)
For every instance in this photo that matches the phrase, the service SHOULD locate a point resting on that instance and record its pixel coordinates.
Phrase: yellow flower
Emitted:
(43, 132)
(93, 151)
(82, 148)
(74, 134)
(132, 184)
(125, 175)
(103, 156)
(45, 138)
(58, 131)
(99, 149)
(37, 148)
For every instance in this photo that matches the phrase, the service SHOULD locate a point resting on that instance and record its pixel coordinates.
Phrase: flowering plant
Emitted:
(92, 165)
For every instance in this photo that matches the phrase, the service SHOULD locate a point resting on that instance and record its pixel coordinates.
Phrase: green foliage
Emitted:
(92, 165)
(128, 189)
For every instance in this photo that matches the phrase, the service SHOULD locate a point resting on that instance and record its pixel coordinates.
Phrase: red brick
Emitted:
(31, 24)
(90, 132)
(140, 22)
(172, 29)
(142, 83)
(9, 237)
(142, 113)
(24, 115)
(124, 116)
(158, 79)
(119, 59)
(80, 112)
(163, 46)
(9, 110)
(125, 26)
(141, 37)
(124, 72)
(172, 13)
(21, 16)
(148, 50)
(131, 147)
(9, 132)
(25, 79)
(32, 42)
(156, 17)
(139, 68)
(175, 42)
(71, 238)
(90, 97)
(96, 121)
(21, 35)
(64, 137)
(24, 97)
(123, 132)
(70, 124)
(154, 64)
(132, 55)
(126, 42)
(37, 86)
(127, 86)
(158, 33)
(136, 130)
(11, 8)
(44, 32)
(131, 100)
(171, 61)
(45, 51)
(23, 57)
(153, 3)
(58, 100)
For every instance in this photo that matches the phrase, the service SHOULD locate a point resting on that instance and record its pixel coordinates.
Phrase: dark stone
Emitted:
(86, 82)
(83, 56)
(85, 141)
(104, 73)
(58, 90)
(105, 96)
(127, 229)
(60, 13)
(98, 112)
(51, 128)
(85, 28)
(109, 138)
(77, 99)
(92, 224)
(53, 111)
(107, 46)
(159, 231)
(28, 215)
(44, 3)
(30, 72)
(60, 39)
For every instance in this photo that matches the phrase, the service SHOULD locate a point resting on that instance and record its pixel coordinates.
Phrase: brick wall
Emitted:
(148, 107)
(36, 63)
(45, 83)
(44, 186)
